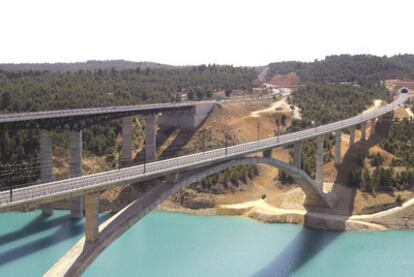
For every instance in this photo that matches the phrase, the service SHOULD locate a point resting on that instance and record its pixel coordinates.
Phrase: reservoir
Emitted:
(173, 244)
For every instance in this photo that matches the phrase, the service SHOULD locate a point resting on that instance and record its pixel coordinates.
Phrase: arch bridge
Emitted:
(84, 190)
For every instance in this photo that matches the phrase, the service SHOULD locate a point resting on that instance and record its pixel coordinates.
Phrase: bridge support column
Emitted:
(75, 149)
(172, 178)
(363, 131)
(351, 135)
(319, 160)
(338, 142)
(297, 154)
(46, 164)
(92, 216)
(267, 153)
(127, 144)
(151, 137)
(373, 125)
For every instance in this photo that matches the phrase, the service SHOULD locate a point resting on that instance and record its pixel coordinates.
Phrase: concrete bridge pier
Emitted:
(338, 142)
(297, 154)
(351, 135)
(373, 125)
(92, 217)
(363, 131)
(75, 149)
(46, 164)
(151, 137)
(319, 160)
(267, 153)
(127, 143)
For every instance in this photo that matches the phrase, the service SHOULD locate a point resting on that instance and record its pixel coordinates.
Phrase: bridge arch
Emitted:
(314, 194)
(81, 256)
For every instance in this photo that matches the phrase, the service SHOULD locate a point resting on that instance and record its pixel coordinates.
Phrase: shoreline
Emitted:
(261, 211)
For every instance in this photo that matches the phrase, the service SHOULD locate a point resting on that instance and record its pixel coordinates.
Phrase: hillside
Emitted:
(364, 70)
(91, 65)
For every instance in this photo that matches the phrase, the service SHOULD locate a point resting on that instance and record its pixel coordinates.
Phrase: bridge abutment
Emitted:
(187, 119)
(127, 143)
(297, 154)
(338, 142)
(92, 217)
(46, 164)
(319, 160)
(75, 149)
(151, 137)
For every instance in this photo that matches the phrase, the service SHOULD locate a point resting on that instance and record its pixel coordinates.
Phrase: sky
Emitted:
(181, 32)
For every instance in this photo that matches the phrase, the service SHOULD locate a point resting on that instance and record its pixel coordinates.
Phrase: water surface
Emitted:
(171, 244)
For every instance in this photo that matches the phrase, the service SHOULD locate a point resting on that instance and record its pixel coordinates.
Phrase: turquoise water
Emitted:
(30, 243)
(169, 244)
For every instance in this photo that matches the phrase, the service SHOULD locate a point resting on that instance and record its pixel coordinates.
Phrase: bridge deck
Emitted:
(42, 115)
(77, 186)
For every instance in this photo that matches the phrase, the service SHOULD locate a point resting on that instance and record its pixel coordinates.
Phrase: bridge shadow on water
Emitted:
(308, 243)
(67, 228)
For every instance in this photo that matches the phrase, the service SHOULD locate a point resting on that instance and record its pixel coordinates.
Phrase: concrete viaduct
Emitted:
(86, 189)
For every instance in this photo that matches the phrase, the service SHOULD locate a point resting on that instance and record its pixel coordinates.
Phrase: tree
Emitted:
(5, 100)
(284, 178)
(366, 179)
(355, 178)
(190, 95)
(208, 94)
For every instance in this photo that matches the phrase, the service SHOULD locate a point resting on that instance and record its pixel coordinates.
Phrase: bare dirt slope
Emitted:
(393, 84)
(285, 80)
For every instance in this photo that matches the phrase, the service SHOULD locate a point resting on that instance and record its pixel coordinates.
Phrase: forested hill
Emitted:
(43, 90)
(365, 70)
(91, 65)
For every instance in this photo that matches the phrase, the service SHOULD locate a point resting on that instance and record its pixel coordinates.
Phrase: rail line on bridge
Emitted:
(52, 191)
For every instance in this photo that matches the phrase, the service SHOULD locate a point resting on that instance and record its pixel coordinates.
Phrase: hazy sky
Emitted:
(202, 31)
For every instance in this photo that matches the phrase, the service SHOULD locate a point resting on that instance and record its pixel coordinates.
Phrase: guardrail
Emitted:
(163, 167)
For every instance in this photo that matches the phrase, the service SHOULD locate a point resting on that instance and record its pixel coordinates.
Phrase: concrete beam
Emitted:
(319, 160)
(151, 137)
(46, 164)
(351, 135)
(338, 142)
(92, 217)
(75, 170)
(127, 143)
(297, 154)
(267, 153)
(363, 131)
